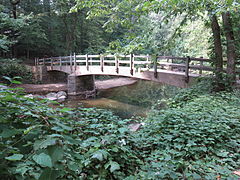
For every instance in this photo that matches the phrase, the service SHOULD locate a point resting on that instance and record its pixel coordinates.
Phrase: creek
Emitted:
(126, 101)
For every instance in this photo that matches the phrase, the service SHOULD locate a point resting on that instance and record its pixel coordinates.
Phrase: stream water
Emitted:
(126, 101)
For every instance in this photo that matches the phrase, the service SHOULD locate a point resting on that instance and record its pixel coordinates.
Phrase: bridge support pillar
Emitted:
(42, 74)
(81, 85)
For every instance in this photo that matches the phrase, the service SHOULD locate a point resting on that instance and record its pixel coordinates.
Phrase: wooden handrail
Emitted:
(132, 61)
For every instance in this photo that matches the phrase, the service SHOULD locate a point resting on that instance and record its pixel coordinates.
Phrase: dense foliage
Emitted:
(196, 137)
(12, 68)
(191, 138)
(38, 142)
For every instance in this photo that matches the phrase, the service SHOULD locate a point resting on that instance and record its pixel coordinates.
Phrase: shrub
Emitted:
(13, 68)
(197, 140)
(38, 142)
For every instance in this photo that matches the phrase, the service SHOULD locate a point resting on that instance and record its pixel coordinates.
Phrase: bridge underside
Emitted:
(177, 79)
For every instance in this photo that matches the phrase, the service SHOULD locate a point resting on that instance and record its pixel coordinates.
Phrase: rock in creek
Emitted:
(60, 96)
(52, 96)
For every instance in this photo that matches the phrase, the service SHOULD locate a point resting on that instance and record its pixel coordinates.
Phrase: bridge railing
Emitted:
(185, 64)
(133, 62)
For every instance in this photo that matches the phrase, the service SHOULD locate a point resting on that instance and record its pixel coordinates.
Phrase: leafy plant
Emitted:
(12, 68)
(197, 139)
(43, 143)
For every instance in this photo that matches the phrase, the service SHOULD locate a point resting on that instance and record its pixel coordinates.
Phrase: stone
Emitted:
(61, 98)
(61, 94)
(52, 96)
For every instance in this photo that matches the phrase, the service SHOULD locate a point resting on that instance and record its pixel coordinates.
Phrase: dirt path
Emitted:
(100, 85)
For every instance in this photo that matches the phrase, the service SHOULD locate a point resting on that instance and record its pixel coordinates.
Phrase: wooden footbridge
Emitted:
(176, 71)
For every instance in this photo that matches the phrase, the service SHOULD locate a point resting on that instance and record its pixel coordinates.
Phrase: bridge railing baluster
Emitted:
(60, 60)
(102, 62)
(131, 64)
(117, 64)
(51, 63)
(75, 62)
(71, 62)
(87, 65)
(201, 65)
(155, 66)
(148, 60)
(187, 69)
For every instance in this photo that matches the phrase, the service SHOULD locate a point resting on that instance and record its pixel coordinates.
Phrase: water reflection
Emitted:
(126, 101)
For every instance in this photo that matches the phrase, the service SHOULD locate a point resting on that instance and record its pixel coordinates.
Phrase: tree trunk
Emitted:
(231, 47)
(218, 52)
(14, 6)
(14, 11)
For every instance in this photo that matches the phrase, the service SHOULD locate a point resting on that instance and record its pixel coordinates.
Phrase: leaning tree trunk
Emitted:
(218, 53)
(231, 47)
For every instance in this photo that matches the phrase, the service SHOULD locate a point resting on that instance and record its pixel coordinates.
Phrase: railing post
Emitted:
(131, 64)
(91, 59)
(147, 61)
(60, 63)
(75, 62)
(51, 63)
(155, 66)
(117, 64)
(201, 65)
(187, 69)
(71, 62)
(87, 65)
(44, 63)
(102, 62)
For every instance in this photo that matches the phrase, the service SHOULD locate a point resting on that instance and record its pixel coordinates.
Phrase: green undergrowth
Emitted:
(14, 68)
(196, 136)
(198, 139)
(38, 142)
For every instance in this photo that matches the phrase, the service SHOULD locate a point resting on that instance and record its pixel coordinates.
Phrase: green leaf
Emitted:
(16, 82)
(98, 155)
(49, 174)
(14, 157)
(122, 130)
(43, 160)
(65, 110)
(44, 143)
(7, 78)
(114, 166)
(56, 153)
(196, 176)
(8, 133)
(73, 166)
